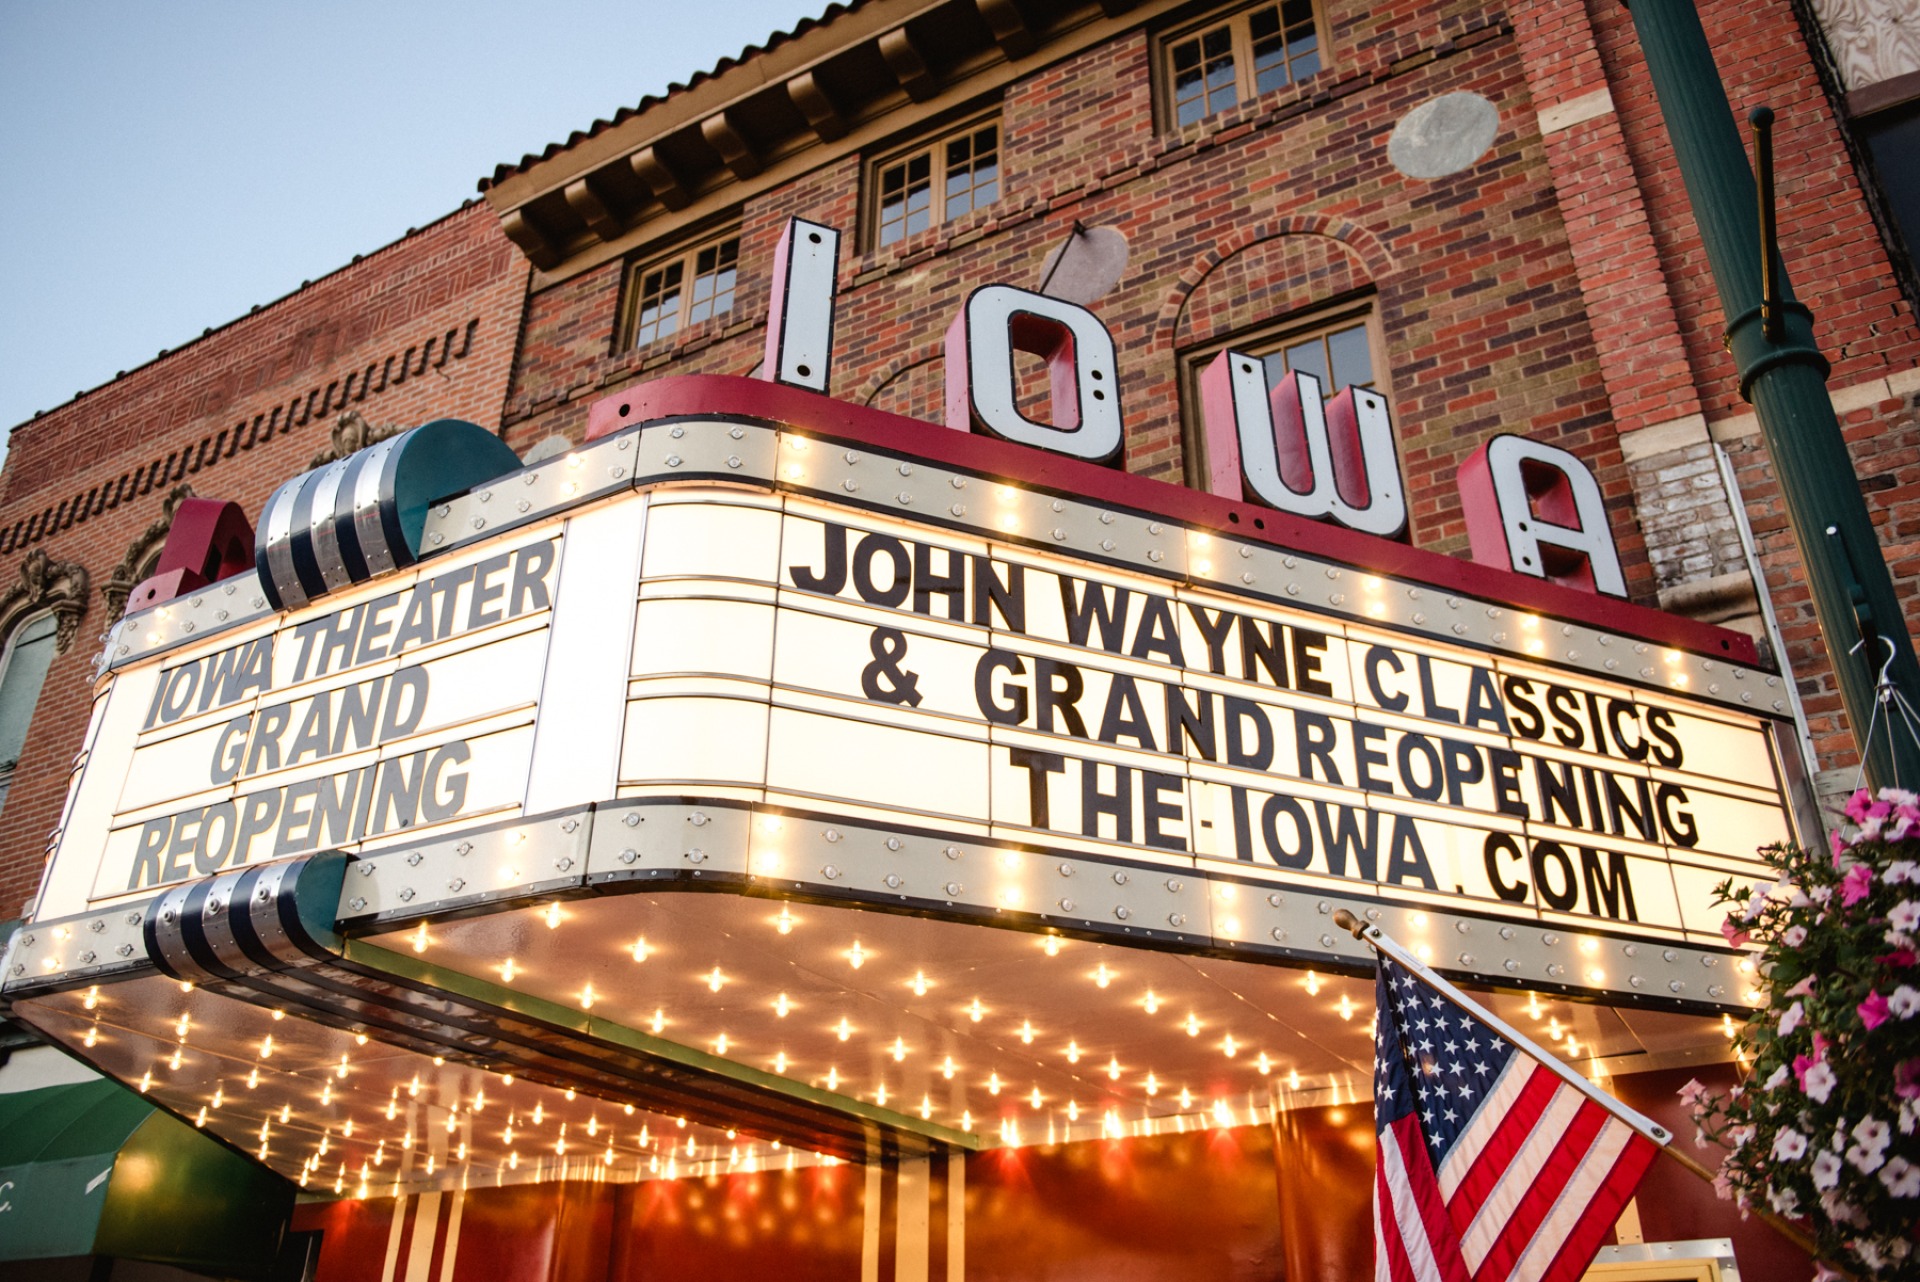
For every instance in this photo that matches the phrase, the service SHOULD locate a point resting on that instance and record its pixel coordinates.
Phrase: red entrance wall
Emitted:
(1288, 1203)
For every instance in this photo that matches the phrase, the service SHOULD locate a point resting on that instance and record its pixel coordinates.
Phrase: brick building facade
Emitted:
(1545, 280)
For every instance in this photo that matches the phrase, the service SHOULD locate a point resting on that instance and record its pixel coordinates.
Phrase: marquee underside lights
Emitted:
(950, 1031)
(1019, 792)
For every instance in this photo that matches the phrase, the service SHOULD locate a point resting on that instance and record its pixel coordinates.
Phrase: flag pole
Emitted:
(1381, 942)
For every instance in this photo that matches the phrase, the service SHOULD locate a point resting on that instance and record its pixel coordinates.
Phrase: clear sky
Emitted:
(169, 165)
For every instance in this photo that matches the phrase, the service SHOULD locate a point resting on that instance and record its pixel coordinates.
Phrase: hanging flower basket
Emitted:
(1826, 1128)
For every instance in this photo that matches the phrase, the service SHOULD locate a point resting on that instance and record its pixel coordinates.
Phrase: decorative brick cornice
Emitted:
(43, 583)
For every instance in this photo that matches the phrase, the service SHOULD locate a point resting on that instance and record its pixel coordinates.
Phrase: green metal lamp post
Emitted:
(1784, 375)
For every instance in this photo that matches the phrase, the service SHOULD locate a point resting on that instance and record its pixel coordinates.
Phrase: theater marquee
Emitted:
(1009, 777)
(875, 624)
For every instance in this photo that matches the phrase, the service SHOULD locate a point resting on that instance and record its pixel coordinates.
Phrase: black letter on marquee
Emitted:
(1038, 766)
(834, 577)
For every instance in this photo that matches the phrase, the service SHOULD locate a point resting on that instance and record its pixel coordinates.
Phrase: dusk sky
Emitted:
(171, 165)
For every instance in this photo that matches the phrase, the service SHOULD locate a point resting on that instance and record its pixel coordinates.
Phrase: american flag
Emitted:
(1492, 1166)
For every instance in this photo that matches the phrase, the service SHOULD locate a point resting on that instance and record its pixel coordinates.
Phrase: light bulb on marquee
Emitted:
(640, 952)
(1102, 976)
(919, 984)
(856, 956)
(781, 1005)
(976, 1012)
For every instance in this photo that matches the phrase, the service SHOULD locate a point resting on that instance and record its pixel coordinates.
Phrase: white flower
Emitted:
(1789, 1145)
(1820, 1081)
(1821, 894)
(1794, 936)
(1904, 1001)
(1826, 1169)
(1778, 1079)
(1905, 916)
(1895, 939)
(1901, 1177)
(1866, 1159)
(1873, 1133)
(1869, 1252)
(1901, 871)
(1909, 1116)
(1791, 1020)
(1785, 1201)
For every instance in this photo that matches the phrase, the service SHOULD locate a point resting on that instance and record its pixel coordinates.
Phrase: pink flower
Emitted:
(1857, 805)
(1833, 839)
(1856, 885)
(1906, 1079)
(1801, 989)
(1873, 1011)
(1791, 1020)
(1735, 936)
(1693, 1093)
(1900, 957)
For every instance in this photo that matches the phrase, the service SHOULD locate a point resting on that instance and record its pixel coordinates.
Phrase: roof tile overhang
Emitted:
(816, 87)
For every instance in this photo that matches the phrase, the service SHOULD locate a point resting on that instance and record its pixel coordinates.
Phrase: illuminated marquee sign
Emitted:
(830, 619)
(744, 594)
(409, 708)
(982, 688)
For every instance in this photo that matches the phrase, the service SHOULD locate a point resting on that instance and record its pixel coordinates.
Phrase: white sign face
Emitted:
(816, 658)
(408, 704)
(778, 650)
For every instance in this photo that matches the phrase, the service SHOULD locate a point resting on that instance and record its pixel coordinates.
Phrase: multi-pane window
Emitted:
(1340, 349)
(1252, 52)
(936, 184)
(1340, 356)
(684, 290)
(22, 672)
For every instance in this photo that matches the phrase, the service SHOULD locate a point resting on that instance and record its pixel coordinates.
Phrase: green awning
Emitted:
(92, 1169)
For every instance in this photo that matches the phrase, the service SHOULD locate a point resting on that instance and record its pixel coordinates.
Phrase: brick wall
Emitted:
(423, 328)
(1267, 209)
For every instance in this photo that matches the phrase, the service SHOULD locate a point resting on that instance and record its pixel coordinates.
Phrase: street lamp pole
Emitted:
(1784, 376)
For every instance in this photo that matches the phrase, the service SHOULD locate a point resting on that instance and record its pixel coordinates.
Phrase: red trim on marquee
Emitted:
(703, 395)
